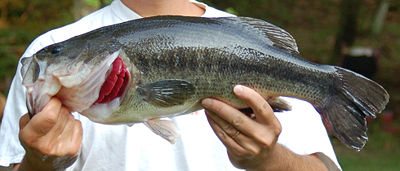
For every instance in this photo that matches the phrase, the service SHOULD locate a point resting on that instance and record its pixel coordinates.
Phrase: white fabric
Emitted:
(120, 147)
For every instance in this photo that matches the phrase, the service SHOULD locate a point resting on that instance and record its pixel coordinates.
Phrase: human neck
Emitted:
(148, 8)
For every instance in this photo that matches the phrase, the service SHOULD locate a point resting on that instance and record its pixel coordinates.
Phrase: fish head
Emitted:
(73, 71)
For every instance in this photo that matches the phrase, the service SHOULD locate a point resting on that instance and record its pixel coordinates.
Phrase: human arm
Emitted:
(51, 139)
(255, 147)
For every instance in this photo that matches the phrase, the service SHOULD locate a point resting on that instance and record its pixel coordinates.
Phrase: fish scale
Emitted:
(172, 62)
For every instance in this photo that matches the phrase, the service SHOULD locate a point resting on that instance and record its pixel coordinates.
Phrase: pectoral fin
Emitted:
(166, 93)
(164, 128)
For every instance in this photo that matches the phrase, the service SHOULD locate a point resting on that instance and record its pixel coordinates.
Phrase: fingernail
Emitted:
(206, 102)
(238, 89)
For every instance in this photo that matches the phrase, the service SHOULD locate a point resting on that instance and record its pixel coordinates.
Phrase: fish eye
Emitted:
(56, 50)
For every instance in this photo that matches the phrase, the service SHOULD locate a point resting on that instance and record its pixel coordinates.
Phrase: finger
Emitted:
(56, 143)
(53, 143)
(76, 138)
(25, 135)
(225, 139)
(23, 121)
(263, 113)
(265, 135)
(47, 118)
(63, 118)
(244, 141)
(231, 115)
(63, 139)
(262, 110)
(41, 124)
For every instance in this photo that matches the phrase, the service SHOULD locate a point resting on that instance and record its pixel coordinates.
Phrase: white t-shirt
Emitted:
(119, 147)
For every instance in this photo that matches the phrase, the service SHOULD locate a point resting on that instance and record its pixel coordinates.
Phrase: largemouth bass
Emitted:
(163, 66)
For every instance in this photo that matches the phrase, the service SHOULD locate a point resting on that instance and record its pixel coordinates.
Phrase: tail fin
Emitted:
(354, 98)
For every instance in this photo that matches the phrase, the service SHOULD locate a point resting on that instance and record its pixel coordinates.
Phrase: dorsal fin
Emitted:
(280, 38)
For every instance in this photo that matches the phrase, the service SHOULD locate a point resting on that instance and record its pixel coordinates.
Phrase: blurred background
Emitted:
(362, 35)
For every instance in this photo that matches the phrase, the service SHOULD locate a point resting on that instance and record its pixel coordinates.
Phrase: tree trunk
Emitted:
(349, 10)
(379, 19)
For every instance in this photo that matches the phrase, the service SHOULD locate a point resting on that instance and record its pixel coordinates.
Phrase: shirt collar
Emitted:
(122, 11)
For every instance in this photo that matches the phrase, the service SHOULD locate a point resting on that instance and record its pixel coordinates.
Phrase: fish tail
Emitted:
(353, 98)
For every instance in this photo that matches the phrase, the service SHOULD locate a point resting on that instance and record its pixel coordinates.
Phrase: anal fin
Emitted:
(278, 104)
(164, 128)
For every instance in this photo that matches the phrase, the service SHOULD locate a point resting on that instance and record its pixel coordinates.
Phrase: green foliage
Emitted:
(10, 48)
(232, 11)
(20, 22)
(95, 3)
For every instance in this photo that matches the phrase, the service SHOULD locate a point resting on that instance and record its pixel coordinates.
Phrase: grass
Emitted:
(367, 159)
(382, 152)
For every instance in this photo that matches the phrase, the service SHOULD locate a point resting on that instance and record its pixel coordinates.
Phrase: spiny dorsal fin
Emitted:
(281, 38)
(166, 93)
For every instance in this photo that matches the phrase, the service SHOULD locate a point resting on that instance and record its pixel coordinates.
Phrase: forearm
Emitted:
(282, 158)
(34, 160)
(30, 163)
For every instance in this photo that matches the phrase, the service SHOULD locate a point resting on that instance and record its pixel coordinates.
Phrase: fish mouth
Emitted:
(115, 84)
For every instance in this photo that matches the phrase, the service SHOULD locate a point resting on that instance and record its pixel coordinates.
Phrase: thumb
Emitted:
(43, 121)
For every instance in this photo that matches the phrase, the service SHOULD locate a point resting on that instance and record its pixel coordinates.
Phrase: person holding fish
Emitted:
(55, 139)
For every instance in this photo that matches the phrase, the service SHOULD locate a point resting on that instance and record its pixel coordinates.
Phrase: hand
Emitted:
(250, 142)
(52, 138)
